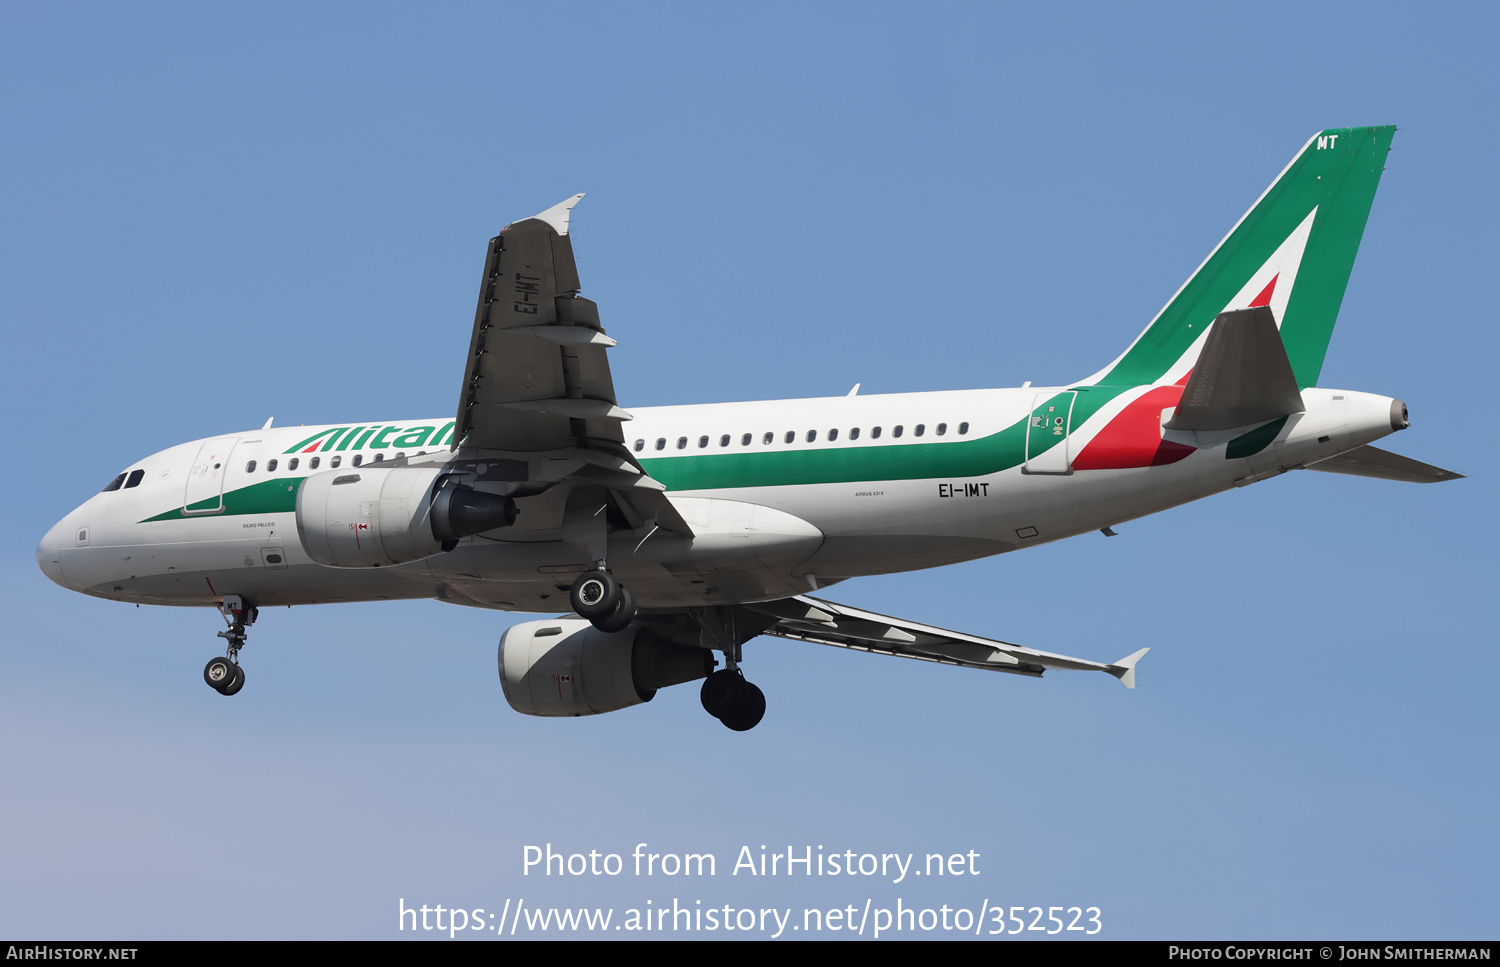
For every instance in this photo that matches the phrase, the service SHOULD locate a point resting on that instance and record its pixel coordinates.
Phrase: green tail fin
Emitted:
(1293, 251)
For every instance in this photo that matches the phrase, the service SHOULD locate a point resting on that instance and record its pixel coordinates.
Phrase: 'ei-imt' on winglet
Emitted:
(557, 215)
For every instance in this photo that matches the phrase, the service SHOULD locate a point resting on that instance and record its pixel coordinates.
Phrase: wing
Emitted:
(810, 619)
(537, 396)
(536, 359)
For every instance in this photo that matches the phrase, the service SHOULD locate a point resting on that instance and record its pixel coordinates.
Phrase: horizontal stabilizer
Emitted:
(1368, 461)
(1242, 376)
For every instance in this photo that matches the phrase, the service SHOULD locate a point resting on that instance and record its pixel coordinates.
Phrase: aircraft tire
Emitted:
(218, 673)
(719, 691)
(235, 684)
(624, 614)
(596, 594)
(748, 709)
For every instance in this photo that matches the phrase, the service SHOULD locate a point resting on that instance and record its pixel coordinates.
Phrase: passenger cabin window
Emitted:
(313, 463)
(921, 429)
(661, 443)
(292, 464)
(270, 466)
(640, 445)
(875, 433)
(702, 442)
(335, 461)
(682, 443)
(135, 478)
(115, 483)
(378, 458)
(249, 467)
(766, 440)
(833, 435)
(359, 458)
(963, 428)
(724, 440)
(745, 440)
(791, 435)
(812, 435)
(854, 434)
(942, 429)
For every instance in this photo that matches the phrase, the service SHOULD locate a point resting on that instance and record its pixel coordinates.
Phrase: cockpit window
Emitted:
(135, 479)
(113, 484)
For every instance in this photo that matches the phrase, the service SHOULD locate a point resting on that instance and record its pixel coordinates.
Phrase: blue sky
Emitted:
(213, 217)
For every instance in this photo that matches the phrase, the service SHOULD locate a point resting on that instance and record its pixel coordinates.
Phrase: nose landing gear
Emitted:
(224, 675)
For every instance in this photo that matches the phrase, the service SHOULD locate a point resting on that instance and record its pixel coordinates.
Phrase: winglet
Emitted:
(1124, 669)
(557, 215)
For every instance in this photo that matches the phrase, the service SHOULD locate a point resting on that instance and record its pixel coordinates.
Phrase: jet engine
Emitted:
(380, 516)
(566, 666)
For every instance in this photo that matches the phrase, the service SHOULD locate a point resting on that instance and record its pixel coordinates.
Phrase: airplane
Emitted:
(674, 534)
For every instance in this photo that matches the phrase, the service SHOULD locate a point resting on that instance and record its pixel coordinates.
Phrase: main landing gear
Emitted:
(725, 694)
(728, 697)
(224, 675)
(597, 596)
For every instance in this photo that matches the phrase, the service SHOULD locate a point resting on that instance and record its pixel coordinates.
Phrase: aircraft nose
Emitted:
(49, 553)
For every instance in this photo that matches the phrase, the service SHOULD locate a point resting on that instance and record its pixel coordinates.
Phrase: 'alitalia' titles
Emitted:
(374, 437)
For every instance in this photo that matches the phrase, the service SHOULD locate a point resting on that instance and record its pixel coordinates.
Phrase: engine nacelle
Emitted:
(380, 516)
(566, 666)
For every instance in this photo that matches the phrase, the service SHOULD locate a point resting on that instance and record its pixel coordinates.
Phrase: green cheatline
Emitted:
(1249, 444)
(909, 461)
(277, 496)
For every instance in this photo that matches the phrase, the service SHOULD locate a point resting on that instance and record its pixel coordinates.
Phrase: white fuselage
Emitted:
(776, 494)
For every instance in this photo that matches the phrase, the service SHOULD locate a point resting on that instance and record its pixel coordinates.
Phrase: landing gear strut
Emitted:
(224, 675)
(597, 596)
